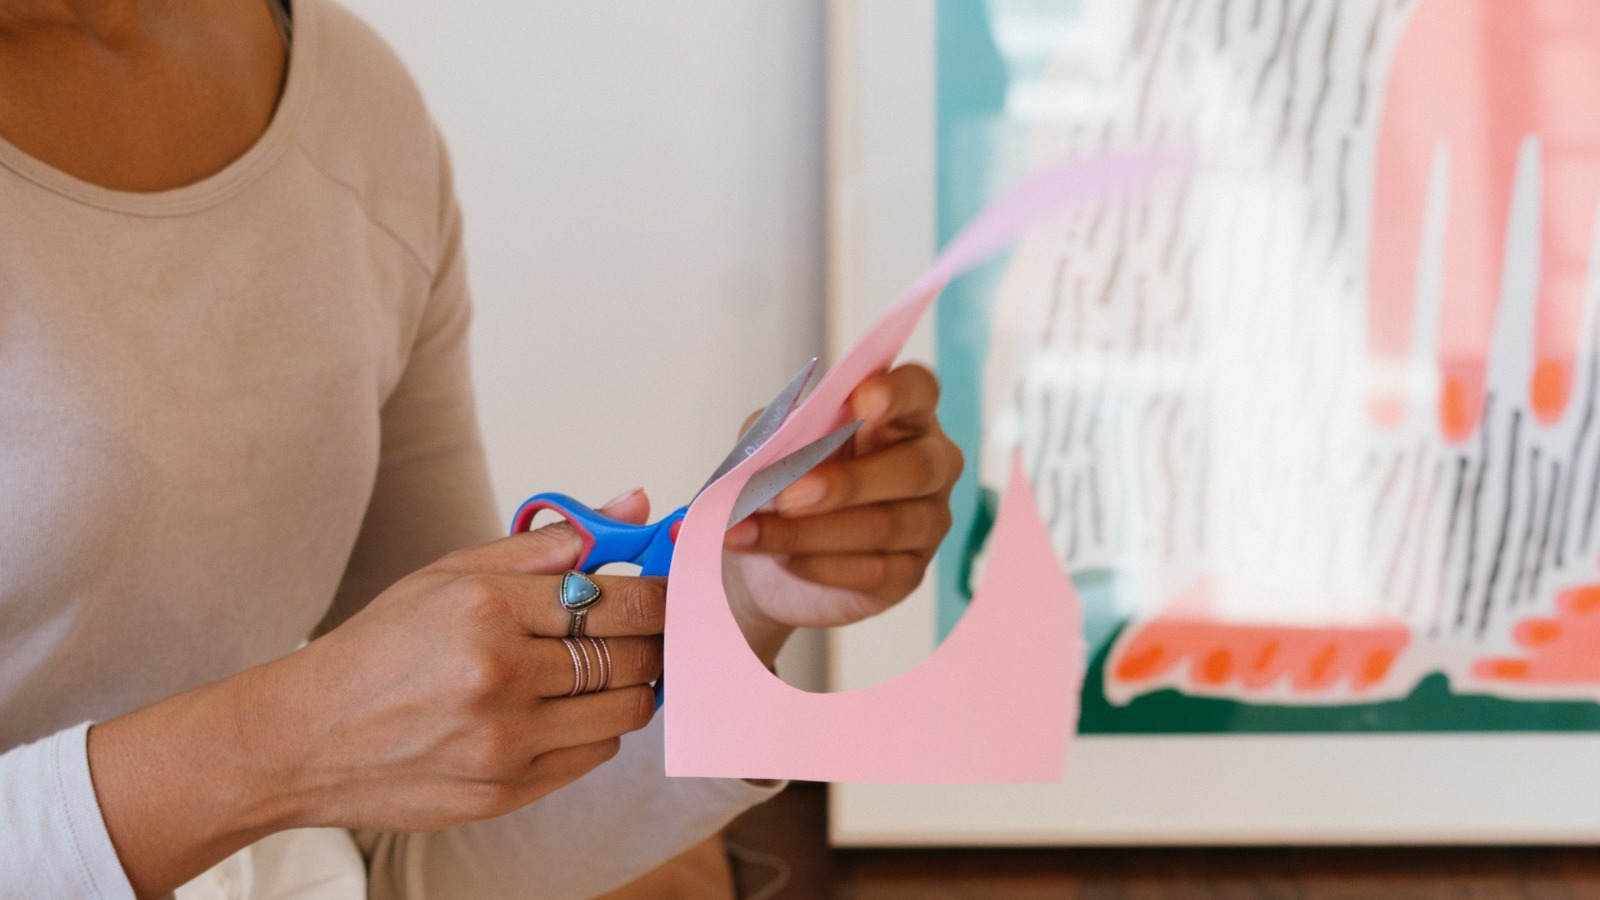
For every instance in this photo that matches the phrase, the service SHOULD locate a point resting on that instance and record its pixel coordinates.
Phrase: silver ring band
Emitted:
(579, 675)
(605, 666)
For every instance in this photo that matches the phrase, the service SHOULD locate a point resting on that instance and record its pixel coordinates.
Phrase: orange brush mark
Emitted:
(1457, 414)
(1215, 668)
(1549, 391)
(1256, 658)
(1374, 668)
(1143, 661)
(1581, 600)
(1563, 649)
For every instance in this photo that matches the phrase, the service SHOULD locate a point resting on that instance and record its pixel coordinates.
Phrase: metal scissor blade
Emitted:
(771, 481)
(766, 423)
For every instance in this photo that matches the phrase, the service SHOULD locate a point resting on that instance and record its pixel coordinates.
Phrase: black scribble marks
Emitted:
(1380, 499)
(1408, 526)
(1080, 289)
(1277, 52)
(1113, 271)
(1414, 596)
(1292, 74)
(1169, 246)
(1341, 202)
(1473, 509)
(1096, 406)
(1486, 607)
(1593, 370)
(1324, 87)
(1363, 86)
(1057, 297)
(1457, 504)
(1141, 33)
(1590, 501)
(1140, 120)
(1046, 416)
(1544, 533)
(1524, 567)
(1095, 221)
(1186, 283)
(1140, 301)
(1065, 446)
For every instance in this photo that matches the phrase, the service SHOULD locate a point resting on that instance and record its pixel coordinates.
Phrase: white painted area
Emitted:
(643, 190)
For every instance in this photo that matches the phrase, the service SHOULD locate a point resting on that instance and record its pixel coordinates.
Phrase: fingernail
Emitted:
(625, 495)
(873, 405)
(743, 534)
(804, 493)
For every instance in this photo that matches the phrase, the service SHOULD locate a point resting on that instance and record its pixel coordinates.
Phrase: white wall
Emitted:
(643, 190)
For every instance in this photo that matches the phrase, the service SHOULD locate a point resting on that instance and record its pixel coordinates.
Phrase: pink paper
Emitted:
(997, 701)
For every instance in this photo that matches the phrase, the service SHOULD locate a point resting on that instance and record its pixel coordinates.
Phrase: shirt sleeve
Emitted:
(598, 833)
(432, 496)
(53, 842)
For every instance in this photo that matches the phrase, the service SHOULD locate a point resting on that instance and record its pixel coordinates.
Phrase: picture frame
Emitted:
(1317, 788)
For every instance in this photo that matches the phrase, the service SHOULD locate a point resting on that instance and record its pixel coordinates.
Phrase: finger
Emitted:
(586, 664)
(628, 604)
(547, 550)
(904, 525)
(573, 721)
(543, 551)
(565, 765)
(923, 467)
(887, 576)
(893, 405)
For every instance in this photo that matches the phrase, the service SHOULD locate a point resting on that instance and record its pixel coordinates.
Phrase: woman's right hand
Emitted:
(444, 701)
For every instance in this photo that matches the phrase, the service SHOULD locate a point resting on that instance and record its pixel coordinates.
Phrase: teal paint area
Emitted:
(970, 86)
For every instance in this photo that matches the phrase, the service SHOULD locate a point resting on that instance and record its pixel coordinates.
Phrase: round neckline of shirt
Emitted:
(214, 188)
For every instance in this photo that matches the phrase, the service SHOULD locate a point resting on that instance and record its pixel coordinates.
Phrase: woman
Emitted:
(233, 377)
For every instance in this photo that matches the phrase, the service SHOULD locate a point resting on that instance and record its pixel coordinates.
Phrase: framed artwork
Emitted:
(1314, 433)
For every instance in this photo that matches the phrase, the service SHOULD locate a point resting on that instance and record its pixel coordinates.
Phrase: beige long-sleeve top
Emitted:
(228, 409)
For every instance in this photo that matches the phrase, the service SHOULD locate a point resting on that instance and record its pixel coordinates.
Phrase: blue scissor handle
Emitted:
(606, 540)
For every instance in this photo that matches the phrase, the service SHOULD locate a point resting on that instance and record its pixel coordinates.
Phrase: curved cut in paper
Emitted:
(997, 701)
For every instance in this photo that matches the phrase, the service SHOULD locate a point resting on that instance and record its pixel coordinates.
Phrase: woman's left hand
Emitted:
(862, 526)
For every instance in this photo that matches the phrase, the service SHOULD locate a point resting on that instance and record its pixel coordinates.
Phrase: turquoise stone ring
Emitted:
(578, 593)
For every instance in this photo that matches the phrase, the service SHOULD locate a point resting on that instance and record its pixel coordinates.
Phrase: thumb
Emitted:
(632, 507)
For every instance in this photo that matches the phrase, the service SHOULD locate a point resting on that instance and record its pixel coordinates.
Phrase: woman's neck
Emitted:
(138, 95)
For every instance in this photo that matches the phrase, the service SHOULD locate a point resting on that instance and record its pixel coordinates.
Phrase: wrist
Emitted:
(186, 782)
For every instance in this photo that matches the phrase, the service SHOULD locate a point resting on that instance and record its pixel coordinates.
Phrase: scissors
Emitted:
(606, 540)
